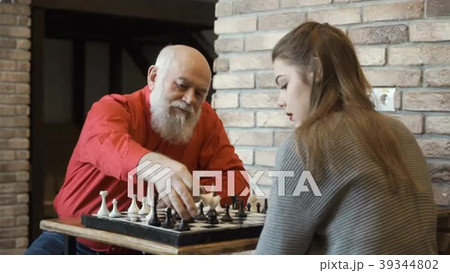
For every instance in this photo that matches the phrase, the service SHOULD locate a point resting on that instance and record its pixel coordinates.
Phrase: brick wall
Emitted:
(401, 43)
(15, 59)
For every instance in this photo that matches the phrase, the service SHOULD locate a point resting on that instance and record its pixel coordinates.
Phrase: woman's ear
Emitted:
(317, 69)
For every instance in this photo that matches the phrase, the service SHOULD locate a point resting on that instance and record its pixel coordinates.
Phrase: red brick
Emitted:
(438, 8)
(379, 35)
(426, 101)
(393, 77)
(22, 220)
(7, 155)
(17, 32)
(438, 125)
(276, 21)
(13, 210)
(14, 122)
(7, 19)
(23, 44)
(224, 9)
(413, 122)
(419, 54)
(7, 243)
(14, 187)
(340, 16)
(23, 66)
(23, 88)
(302, 3)
(6, 88)
(7, 43)
(234, 25)
(440, 171)
(429, 31)
(438, 77)
(14, 166)
(15, 9)
(7, 65)
(12, 232)
(14, 76)
(7, 199)
(23, 21)
(15, 99)
(7, 110)
(6, 133)
(393, 11)
(435, 148)
(229, 45)
(15, 143)
(252, 6)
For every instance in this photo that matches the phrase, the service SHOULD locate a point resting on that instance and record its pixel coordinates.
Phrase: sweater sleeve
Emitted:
(105, 140)
(289, 228)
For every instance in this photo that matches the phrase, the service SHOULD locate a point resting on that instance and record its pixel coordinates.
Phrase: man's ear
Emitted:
(151, 75)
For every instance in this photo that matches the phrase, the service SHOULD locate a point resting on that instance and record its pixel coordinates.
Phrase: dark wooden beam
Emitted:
(37, 122)
(135, 52)
(115, 67)
(182, 11)
(79, 81)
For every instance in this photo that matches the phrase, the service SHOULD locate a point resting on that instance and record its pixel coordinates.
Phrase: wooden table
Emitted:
(72, 228)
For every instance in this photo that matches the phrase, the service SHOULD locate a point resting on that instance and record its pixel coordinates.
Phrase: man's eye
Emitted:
(182, 85)
(283, 86)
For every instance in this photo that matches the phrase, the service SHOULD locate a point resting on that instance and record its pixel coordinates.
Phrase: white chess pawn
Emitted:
(133, 207)
(145, 209)
(216, 203)
(115, 212)
(103, 211)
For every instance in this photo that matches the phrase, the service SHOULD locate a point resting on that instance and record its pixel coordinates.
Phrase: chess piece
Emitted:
(212, 217)
(201, 215)
(133, 207)
(233, 202)
(145, 209)
(183, 226)
(227, 217)
(168, 223)
(154, 220)
(241, 213)
(115, 212)
(175, 217)
(103, 211)
(258, 207)
(249, 206)
(265, 207)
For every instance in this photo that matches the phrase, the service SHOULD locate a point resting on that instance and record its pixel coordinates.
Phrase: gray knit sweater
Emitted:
(357, 212)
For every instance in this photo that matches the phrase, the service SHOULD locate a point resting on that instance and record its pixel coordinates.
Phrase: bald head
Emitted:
(185, 56)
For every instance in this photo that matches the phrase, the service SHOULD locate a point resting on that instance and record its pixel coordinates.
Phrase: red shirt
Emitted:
(115, 135)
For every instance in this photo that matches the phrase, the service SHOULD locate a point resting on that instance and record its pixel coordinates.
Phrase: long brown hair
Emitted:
(338, 86)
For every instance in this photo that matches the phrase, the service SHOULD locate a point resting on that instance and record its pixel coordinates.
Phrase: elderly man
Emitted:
(167, 122)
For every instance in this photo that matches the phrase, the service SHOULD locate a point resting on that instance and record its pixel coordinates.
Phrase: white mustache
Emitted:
(182, 105)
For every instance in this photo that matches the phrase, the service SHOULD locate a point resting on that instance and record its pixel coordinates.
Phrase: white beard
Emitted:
(178, 128)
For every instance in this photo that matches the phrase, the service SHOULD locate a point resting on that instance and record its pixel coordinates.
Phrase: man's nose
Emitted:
(189, 96)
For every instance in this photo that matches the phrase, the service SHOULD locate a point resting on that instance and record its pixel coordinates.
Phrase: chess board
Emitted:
(200, 232)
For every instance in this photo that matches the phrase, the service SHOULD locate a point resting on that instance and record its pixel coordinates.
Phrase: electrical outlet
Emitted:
(383, 98)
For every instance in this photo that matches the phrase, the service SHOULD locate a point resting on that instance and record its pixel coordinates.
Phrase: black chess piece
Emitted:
(241, 213)
(227, 217)
(212, 217)
(154, 220)
(233, 202)
(201, 215)
(265, 207)
(168, 223)
(258, 207)
(183, 226)
(175, 217)
(190, 220)
(249, 206)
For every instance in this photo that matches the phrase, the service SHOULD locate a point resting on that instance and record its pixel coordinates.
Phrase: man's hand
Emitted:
(179, 196)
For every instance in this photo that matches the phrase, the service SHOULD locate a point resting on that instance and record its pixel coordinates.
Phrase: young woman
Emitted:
(375, 191)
